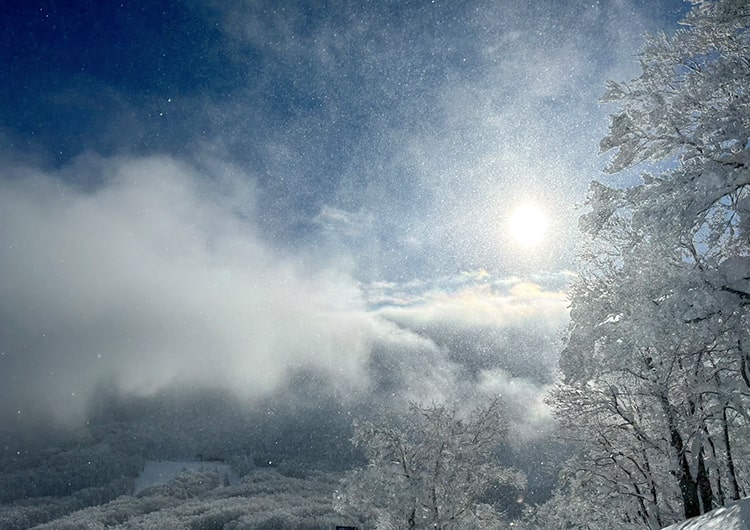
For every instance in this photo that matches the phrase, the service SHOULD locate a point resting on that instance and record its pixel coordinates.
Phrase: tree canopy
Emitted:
(656, 374)
(432, 471)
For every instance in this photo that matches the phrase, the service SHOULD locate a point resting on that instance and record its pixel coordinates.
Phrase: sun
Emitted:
(528, 225)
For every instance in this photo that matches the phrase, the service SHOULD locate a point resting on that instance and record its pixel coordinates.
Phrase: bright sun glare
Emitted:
(528, 225)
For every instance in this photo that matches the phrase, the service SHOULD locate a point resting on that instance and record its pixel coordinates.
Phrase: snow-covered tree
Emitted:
(433, 471)
(656, 372)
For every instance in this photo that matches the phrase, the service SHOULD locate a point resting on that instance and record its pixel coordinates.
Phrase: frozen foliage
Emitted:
(264, 500)
(431, 472)
(64, 471)
(37, 486)
(656, 370)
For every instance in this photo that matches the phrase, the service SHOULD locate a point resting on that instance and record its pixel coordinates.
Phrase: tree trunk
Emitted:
(688, 487)
(744, 369)
(435, 512)
(720, 499)
(704, 485)
(654, 512)
(730, 460)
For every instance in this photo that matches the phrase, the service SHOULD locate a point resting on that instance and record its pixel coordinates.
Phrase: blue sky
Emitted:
(225, 191)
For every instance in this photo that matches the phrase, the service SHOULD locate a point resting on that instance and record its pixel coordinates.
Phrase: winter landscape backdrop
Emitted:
(344, 263)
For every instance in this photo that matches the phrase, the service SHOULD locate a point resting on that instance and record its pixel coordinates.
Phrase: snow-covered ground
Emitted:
(734, 517)
(158, 473)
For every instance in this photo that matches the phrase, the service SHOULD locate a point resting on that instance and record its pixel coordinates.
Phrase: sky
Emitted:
(225, 194)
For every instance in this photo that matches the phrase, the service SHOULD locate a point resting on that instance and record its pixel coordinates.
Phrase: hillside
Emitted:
(262, 500)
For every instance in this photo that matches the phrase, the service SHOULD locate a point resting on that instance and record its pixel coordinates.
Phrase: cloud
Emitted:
(342, 223)
(527, 412)
(482, 302)
(151, 279)
(489, 335)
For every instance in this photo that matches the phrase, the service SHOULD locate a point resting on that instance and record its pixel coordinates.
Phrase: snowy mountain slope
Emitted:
(734, 517)
(262, 500)
(156, 473)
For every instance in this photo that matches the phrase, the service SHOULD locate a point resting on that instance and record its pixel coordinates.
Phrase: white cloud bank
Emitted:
(150, 279)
